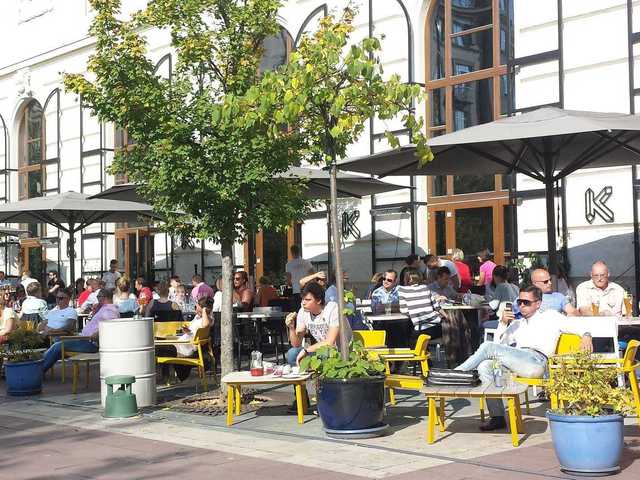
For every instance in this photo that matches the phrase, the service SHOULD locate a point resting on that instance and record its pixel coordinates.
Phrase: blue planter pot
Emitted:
(24, 378)
(351, 404)
(587, 445)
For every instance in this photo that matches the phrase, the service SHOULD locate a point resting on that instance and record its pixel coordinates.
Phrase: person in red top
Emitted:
(92, 284)
(266, 292)
(464, 272)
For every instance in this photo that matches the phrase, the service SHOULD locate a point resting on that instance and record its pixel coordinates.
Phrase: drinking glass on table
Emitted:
(387, 308)
(595, 308)
(628, 303)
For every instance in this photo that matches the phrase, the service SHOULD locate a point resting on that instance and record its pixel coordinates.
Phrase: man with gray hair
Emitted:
(599, 296)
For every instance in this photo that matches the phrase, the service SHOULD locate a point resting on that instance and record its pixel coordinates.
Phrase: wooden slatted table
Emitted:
(235, 381)
(510, 393)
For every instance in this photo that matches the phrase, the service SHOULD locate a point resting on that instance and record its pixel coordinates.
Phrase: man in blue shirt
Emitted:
(551, 300)
(387, 293)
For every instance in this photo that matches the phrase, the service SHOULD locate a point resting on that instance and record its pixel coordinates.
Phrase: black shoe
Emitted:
(494, 423)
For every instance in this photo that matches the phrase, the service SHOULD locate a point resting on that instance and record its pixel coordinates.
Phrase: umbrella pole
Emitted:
(72, 262)
(551, 229)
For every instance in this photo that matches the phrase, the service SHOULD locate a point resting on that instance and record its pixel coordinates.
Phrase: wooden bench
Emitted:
(88, 359)
(235, 381)
(510, 393)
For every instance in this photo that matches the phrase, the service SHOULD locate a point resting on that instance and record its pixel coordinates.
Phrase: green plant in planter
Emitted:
(22, 346)
(326, 363)
(587, 386)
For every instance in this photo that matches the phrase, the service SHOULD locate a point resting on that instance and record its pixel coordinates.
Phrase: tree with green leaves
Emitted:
(206, 147)
(329, 90)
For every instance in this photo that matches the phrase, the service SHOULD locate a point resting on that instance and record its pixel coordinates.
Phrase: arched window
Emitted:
(468, 44)
(276, 50)
(32, 145)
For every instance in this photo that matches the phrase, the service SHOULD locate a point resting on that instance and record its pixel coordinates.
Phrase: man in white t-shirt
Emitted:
(111, 276)
(316, 318)
(61, 319)
(296, 269)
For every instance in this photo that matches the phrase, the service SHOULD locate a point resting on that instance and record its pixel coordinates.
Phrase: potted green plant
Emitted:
(23, 362)
(587, 429)
(350, 392)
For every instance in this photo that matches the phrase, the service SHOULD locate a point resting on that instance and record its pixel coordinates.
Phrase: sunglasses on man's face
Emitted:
(525, 302)
(548, 280)
(389, 279)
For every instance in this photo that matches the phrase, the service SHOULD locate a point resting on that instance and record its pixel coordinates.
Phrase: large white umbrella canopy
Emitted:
(71, 212)
(545, 144)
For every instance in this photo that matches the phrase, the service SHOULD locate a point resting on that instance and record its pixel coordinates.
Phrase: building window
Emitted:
(469, 44)
(31, 155)
(474, 229)
(276, 50)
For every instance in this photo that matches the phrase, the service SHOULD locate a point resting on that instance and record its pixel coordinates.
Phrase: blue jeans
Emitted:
(54, 353)
(292, 354)
(522, 362)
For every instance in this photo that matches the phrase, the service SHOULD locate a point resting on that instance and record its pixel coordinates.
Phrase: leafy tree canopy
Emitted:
(205, 154)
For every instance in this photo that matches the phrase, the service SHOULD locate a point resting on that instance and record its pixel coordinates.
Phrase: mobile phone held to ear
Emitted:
(508, 306)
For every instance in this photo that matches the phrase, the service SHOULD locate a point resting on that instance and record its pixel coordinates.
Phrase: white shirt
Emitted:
(540, 332)
(298, 268)
(611, 298)
(217, 301)
(32, 305)
(27, 281)
(318, 325)
(110, 278)
(188, 350)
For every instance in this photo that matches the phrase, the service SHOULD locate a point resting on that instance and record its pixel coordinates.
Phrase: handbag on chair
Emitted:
(448, 377)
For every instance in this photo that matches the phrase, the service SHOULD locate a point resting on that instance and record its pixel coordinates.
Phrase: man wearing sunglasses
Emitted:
(551, 300)
(387, 293)
(522, 346)
(62, 319)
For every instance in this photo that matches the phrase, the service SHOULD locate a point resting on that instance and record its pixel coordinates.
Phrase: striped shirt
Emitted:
(419, 303)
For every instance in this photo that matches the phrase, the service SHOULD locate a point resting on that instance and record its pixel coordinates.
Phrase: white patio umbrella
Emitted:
(71, 212)
(545, 144)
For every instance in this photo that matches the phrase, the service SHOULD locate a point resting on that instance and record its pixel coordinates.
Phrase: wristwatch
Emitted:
(586, 334)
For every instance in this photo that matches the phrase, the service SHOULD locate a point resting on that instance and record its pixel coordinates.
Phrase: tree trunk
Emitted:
(226, 324)
(335, 233)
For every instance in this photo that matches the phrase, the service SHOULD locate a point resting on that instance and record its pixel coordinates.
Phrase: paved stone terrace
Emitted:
(58, 435)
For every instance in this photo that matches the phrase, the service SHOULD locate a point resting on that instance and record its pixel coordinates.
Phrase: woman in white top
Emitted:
(203, 319)
(8, 321)
(217, 297)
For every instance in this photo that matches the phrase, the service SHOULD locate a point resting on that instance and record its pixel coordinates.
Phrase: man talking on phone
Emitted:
(521, 345)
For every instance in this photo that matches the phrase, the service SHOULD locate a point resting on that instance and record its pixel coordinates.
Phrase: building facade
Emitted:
(478, 59)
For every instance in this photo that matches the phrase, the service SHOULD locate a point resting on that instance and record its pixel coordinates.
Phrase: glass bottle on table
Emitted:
(256, 366)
